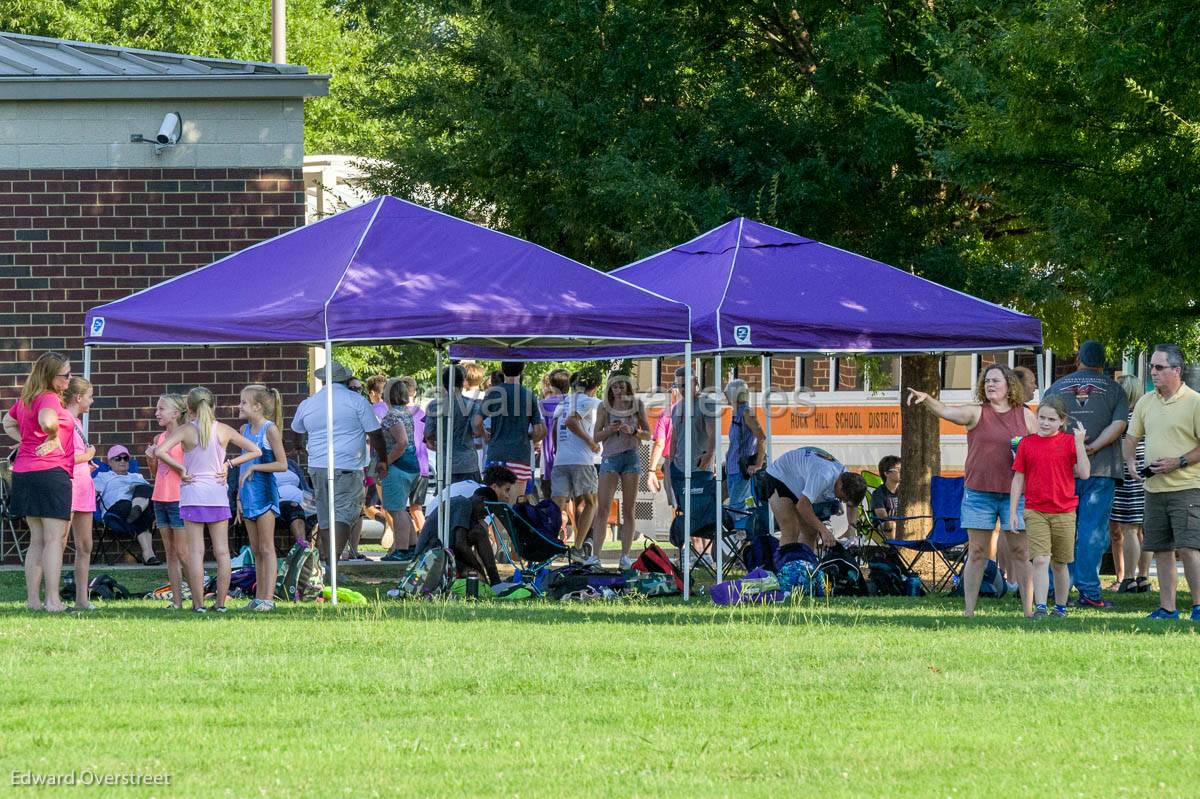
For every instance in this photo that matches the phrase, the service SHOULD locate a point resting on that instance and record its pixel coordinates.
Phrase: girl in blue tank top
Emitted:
(258, 494)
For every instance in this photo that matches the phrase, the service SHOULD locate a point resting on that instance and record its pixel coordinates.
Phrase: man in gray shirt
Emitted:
(704, 415)
(515, 425)
(1096, 400)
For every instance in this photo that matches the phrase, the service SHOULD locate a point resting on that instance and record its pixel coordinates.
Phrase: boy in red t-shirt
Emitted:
(1046, 468)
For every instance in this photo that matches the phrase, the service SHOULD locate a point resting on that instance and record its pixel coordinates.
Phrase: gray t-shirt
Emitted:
(1096, 400)
(704, 409)
(513, 410)
(464, 459)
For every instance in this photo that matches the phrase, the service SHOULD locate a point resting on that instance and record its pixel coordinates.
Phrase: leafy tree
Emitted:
(1073, 124)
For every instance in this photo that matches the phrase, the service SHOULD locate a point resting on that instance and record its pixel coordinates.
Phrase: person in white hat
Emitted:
(117, 488)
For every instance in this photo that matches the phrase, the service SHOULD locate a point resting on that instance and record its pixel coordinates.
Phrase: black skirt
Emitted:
(45, 494)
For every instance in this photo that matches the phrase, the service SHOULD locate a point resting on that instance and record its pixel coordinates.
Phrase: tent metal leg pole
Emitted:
(87, 375)
(766, 382)
(1041, 373)
(687, 472)
(330, 464)
(451, 401)
(438, 464)
(717, 463)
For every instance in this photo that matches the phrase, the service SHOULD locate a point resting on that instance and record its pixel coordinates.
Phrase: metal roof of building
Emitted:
(98, 70)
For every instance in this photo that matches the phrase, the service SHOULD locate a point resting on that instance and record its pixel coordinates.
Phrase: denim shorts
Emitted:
(982, 509)
(166, 514)
(627, 462)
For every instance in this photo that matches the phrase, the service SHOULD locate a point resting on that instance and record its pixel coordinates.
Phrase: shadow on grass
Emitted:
(940, 615)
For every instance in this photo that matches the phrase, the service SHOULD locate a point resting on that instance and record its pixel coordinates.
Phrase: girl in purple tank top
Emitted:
(203, 491)
(993, 421)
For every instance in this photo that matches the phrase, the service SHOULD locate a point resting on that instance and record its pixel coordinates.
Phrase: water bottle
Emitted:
(472, 586)
(912, 586)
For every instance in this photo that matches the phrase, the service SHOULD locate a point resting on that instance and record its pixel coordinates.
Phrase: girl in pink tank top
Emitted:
(203, 490)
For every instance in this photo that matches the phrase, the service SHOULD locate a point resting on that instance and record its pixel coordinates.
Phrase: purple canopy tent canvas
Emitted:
(390, 270)
(754, 288)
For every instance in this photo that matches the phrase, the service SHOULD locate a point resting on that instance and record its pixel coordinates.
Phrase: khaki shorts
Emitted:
(573, 481)
(348, 495)
(1172, 520)
(1051, 534)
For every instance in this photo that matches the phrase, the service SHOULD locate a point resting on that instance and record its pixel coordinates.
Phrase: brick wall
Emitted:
(76, 238)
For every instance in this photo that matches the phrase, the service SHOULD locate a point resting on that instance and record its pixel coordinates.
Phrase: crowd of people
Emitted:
(1099, 465)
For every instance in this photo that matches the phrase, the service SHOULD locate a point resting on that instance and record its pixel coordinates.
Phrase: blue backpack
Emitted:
(992, 586)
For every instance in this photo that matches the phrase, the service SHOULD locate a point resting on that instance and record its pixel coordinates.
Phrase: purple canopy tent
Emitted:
(754, 288)
(391, 271)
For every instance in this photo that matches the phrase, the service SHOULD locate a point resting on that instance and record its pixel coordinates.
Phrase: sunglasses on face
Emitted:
(119, 458)
(1158, 367)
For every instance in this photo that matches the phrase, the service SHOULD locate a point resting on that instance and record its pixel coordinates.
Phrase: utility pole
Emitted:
(278, 31)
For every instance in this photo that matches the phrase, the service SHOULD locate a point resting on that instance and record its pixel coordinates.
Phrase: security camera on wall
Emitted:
(168, 131)
(167, 136)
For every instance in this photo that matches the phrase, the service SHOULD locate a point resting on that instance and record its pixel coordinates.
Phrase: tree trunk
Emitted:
(920, 443)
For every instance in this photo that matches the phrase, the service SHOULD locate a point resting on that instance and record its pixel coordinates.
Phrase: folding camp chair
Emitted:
(946, 541)
(704, 503)
(527, 548)
(867, 527)
(114, 528)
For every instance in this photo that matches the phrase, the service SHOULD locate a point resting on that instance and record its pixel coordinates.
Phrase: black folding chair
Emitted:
(526, 547)
(704, 503)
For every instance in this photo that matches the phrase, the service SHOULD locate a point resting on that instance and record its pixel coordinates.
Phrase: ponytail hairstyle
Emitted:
(200, 403)
(179, 403)
(41, 377)
(76, 388)
(269, 399)
(1055, 403)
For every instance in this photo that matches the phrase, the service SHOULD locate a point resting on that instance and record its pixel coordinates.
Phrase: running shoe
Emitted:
(1162, 613)
(1088, 602)
(626, 563)
(1195, 613)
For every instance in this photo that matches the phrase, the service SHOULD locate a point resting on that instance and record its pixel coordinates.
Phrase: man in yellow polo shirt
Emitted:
(1169, 419)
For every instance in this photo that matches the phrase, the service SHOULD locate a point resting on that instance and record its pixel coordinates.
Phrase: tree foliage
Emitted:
(1073, 126)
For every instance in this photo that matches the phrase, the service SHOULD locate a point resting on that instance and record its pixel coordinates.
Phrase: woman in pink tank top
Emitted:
(995, 422)
(203, 491)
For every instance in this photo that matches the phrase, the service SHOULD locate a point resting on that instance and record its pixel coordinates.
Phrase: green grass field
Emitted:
(879, 697)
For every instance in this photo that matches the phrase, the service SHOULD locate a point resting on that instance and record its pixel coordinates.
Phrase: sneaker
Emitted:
(199, 610)
(264, 605)
(1039, 612)
(1088, 602)
(626, 563)
(221, 609)
(1161, 613)
(1195, 613)
(1060, 611)
(392, 557)
(592, 561)
(252, 604)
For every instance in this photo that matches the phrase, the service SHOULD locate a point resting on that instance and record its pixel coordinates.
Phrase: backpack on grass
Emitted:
(302, 578)
(992, 585)
(654, 560)
(430, 575)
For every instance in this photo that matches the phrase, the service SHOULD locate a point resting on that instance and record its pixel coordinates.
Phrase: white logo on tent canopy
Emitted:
(98, 326)
(741, 334)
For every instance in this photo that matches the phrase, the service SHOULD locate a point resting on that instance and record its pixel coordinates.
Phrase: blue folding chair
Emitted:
(111, 528)
(947, 541)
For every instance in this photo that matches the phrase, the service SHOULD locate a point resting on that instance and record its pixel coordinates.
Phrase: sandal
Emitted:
(152, 561)
(1143, 585)
(1127, 586)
